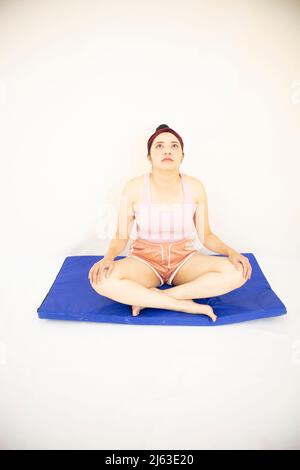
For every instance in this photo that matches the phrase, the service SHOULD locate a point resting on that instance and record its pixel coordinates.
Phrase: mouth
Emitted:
(167, 159)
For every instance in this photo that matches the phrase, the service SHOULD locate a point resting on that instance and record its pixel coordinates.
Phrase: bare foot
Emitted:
(136, 310)
(187, 306)
(201, 309)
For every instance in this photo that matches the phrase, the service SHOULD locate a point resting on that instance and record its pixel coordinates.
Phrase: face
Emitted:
(165, 151)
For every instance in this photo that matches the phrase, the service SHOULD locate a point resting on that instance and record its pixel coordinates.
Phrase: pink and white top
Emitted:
(165, 222)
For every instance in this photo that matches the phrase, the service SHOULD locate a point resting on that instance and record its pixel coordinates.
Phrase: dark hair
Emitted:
(162, 126)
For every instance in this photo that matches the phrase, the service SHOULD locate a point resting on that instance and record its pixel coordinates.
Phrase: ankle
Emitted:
(180, 304)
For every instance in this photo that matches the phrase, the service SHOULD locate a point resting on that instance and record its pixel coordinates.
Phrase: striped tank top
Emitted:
(165, 222)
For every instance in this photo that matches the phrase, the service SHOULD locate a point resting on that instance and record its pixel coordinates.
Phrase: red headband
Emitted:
(164, 129)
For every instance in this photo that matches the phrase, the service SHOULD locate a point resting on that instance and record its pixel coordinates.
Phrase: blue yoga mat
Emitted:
(71, 297)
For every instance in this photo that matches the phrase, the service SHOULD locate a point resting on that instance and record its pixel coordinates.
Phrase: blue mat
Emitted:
(71, 297)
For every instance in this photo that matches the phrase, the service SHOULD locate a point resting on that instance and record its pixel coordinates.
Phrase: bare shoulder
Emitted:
(133, 188)
(197, 188)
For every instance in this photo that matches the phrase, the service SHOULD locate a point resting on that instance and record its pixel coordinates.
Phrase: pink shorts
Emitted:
(163, 258)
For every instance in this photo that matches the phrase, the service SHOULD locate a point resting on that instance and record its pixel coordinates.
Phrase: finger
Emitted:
(250, 271)
(96, 271)
(238, 264)
(110, 270)
(244, 267)
(245, 273)
(247, 265)
(103, 272)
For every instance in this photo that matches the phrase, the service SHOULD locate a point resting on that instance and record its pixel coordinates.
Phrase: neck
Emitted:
(162, 179)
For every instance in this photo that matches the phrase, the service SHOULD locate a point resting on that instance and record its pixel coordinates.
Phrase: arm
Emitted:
(214, 243)
(125, 221)
(207, 237)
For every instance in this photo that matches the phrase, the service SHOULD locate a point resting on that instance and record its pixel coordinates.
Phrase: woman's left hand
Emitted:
(236, 258)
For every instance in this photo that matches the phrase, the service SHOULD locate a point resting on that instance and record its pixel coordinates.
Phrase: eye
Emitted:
(158, 145)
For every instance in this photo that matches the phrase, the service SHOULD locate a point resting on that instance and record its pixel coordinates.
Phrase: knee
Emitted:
(102, 286)
(236, 274)
(240, 280)
(98, 286)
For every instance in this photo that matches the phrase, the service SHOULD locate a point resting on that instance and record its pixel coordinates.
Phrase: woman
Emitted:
(164, 251)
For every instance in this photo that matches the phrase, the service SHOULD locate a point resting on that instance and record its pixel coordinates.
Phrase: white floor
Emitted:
(77, 385)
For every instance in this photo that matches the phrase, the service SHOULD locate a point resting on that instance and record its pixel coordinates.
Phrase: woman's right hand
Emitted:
(102, 268)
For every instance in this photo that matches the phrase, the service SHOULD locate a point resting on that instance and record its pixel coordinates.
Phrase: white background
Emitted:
(83, 84)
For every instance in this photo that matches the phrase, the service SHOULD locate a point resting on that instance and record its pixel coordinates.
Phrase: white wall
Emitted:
(84, 84)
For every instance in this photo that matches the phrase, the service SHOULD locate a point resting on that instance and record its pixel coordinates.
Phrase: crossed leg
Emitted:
(204, 276)
(130, 282)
